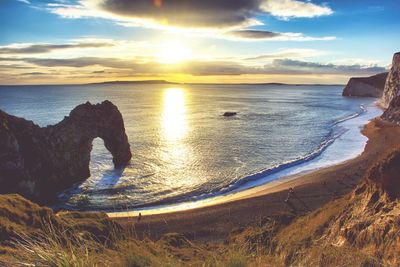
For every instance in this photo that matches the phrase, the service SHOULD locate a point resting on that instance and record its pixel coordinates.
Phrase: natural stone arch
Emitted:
(39, 162)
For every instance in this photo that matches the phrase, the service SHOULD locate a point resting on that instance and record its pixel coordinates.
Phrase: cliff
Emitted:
(391, 94)
(366, 86)
(392, 86)
(370, 220)
(40, 162)
(360, 229)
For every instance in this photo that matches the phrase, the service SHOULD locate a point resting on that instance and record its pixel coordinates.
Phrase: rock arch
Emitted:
(40, 162)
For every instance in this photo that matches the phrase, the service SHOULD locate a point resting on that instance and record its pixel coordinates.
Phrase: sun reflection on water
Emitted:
(173, 120)
(175, 151)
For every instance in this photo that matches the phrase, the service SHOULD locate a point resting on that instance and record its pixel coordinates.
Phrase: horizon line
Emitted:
(168, 82)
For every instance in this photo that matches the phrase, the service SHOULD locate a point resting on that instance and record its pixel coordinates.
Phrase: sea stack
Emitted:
(366, 86)
(391, 94)
(38, 162)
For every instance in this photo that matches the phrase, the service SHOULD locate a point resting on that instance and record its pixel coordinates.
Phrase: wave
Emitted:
(336, 132)
(352, 116)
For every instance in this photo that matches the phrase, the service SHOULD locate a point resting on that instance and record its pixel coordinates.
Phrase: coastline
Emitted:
(273, 182)
(316, 188)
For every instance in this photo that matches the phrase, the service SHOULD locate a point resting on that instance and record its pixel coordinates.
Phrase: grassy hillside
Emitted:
(359, 229)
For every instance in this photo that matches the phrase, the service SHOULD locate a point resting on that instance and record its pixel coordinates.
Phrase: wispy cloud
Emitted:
(24, 1)
(204, 68)
(293, 53)
(280, 36)
(45, 48)
(321, 68)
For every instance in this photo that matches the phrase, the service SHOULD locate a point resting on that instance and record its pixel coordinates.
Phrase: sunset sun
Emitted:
(173, 52)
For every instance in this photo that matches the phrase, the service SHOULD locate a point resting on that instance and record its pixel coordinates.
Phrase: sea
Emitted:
(185, 150)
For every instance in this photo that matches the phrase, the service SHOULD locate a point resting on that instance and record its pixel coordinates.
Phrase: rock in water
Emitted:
(366, 86)
(40, 162)
(392, 86)
(229, 114)
(391, 94)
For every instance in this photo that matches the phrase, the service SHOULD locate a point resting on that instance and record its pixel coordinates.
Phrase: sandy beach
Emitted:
(249, 207)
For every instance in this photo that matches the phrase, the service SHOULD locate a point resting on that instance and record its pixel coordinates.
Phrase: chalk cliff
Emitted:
(392, 86)
(40, 162)
(366, 86)
(391, 94)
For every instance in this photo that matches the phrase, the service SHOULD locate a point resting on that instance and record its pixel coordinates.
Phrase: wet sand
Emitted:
(314, 189)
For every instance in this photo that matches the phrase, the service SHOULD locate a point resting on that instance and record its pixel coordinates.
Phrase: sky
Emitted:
(208, 41)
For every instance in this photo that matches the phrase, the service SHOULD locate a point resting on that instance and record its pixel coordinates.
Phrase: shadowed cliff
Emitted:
(366, 86)
(40, 162)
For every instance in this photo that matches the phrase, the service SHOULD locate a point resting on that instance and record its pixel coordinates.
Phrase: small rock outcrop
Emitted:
(40, 162)
(366, 86)
(229, 114)
(392, 86)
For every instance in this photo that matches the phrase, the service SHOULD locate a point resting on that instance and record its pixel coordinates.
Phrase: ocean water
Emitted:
(184, 149)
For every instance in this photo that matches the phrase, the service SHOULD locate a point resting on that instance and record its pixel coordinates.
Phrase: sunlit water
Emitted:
(184, 149)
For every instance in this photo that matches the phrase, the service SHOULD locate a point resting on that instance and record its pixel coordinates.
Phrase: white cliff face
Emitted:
(392, 86)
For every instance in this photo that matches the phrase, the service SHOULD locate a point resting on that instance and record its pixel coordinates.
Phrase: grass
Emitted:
(57, 247)
(35, 236)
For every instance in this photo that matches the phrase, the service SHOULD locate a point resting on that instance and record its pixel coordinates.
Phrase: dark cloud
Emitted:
(13, 66)
(191, 13)
(33, 73)
(45, 48)
(255, 34)
(73, 62)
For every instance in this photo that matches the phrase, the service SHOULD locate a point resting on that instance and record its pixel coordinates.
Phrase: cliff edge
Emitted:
(37, 163)
(366, 86)
(391, 94)
(392, 86)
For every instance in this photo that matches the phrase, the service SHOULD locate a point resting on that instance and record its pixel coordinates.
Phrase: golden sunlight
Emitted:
(173, 52)
(174, 124)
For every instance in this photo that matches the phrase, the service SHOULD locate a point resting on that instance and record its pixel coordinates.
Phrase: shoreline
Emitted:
(217, 221)
(268, 183)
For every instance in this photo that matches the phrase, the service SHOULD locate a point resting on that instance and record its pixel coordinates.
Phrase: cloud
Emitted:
(267, 35)
(293, 53)
(171, 14)
(35, 73)
(45, 48)
(286, 9)
(255, 34)
(24, 1)
(13, 66)
(318, 68)
(189, 14)
(205, 68)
